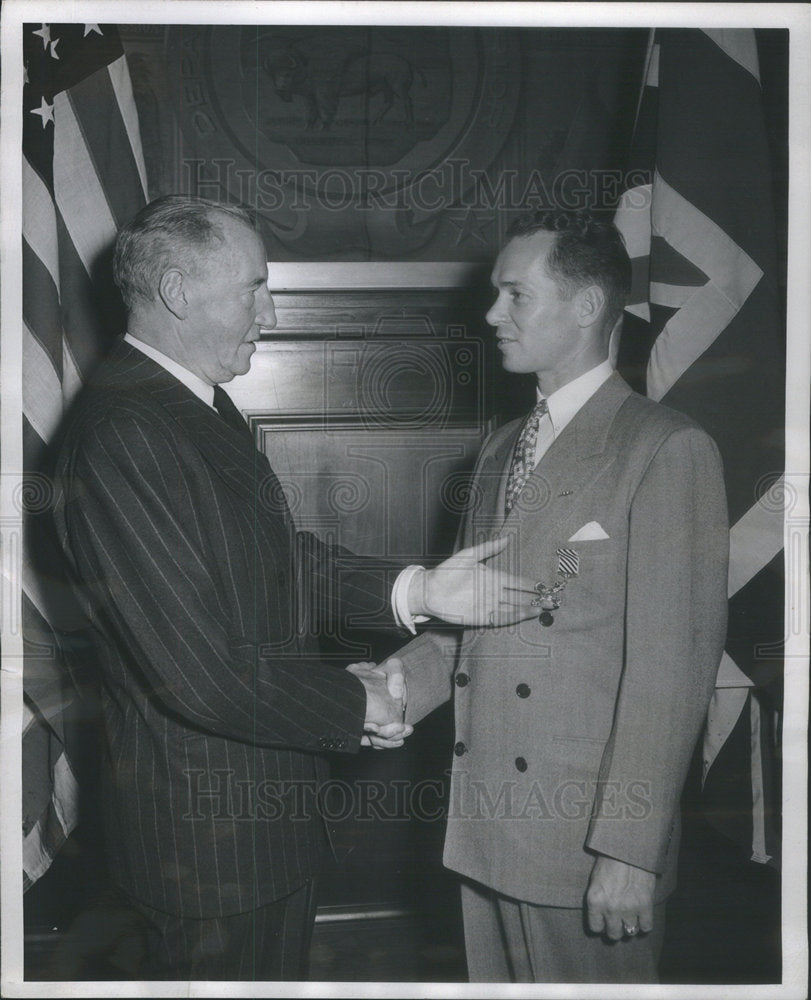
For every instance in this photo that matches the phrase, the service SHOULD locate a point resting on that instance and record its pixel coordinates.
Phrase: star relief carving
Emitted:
(470, 225)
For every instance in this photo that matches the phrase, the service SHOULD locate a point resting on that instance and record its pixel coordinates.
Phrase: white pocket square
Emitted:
(589, 532)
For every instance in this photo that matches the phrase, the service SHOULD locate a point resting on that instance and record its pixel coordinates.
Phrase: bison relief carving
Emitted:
(322, 79)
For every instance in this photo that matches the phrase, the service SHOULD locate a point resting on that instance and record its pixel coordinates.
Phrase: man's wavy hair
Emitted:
(175, 229)
(589, 250)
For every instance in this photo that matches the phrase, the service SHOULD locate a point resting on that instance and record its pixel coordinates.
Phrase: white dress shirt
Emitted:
(565, 403)
(200, 388)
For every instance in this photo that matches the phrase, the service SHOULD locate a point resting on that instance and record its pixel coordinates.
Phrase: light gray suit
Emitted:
(574, 737)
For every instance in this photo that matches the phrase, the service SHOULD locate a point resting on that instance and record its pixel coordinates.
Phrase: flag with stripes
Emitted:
(83, 177)
(705, 321)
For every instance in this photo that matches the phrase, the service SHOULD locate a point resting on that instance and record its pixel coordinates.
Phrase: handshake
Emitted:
(385, 725)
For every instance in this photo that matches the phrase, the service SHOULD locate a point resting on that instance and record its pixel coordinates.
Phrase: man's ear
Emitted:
(590, 304)
(614, 341)
(172, 291)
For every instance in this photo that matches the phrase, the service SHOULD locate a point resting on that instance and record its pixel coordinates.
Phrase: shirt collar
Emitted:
(565, 402)
(193, 382)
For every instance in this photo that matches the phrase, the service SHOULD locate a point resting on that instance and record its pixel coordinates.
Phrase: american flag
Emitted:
(83, 176)
(705, 319)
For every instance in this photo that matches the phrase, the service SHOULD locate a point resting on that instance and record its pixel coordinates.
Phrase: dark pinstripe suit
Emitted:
(214, 702)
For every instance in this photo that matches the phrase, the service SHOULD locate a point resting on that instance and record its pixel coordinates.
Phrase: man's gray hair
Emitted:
(175, 229)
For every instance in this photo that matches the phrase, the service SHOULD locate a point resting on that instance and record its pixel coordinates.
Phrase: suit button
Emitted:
(545, 618)
(521, 764)
(462, 680)
(523, 691)
(460, 749)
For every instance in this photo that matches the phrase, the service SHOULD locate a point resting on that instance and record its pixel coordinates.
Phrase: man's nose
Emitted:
(266, 313)
(495, 314)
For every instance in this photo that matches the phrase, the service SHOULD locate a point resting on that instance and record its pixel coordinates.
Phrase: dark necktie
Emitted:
(229, 413)
(270, 489)
(524, 456)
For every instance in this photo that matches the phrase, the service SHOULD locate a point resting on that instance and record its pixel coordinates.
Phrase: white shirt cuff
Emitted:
(399, 600)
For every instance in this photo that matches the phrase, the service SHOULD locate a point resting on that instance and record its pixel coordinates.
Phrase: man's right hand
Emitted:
(385, 703)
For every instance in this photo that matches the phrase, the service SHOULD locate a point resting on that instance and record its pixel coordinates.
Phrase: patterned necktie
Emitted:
(524, 456)
(224, 405)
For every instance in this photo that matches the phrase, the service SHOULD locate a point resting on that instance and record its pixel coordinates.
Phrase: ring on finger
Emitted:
(630, 929)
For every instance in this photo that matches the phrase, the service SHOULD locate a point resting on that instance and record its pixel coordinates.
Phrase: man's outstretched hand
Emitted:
(463, 591)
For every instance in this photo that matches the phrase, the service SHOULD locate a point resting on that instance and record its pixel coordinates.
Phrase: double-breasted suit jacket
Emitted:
(215, 704)
(574, 732)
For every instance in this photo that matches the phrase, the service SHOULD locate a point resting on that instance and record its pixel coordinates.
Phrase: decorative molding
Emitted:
(395, 423)
(365, 385)
(355, 275)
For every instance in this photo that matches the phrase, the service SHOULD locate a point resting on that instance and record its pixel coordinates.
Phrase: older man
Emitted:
(574, 730)
(216, 708)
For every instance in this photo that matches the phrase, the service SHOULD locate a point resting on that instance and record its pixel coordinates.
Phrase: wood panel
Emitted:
(371, 404)
(377, 493)
(380, 384)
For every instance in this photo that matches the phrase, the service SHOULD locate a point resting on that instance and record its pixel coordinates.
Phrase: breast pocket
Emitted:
(598, 585)
(588, 554)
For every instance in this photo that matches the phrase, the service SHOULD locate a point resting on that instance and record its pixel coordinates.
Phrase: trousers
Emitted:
(270, 943)
(509, 941)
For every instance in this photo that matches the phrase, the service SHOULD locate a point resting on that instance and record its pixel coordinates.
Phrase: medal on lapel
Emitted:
(550, 598)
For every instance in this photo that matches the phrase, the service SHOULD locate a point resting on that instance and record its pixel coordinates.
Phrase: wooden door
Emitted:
(371, 398)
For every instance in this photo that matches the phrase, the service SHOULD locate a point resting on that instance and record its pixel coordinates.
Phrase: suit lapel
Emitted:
(493, 471)
(573, 460)
(232, 455)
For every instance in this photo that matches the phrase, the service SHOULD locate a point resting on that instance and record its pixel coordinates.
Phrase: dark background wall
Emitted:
(294, 120)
